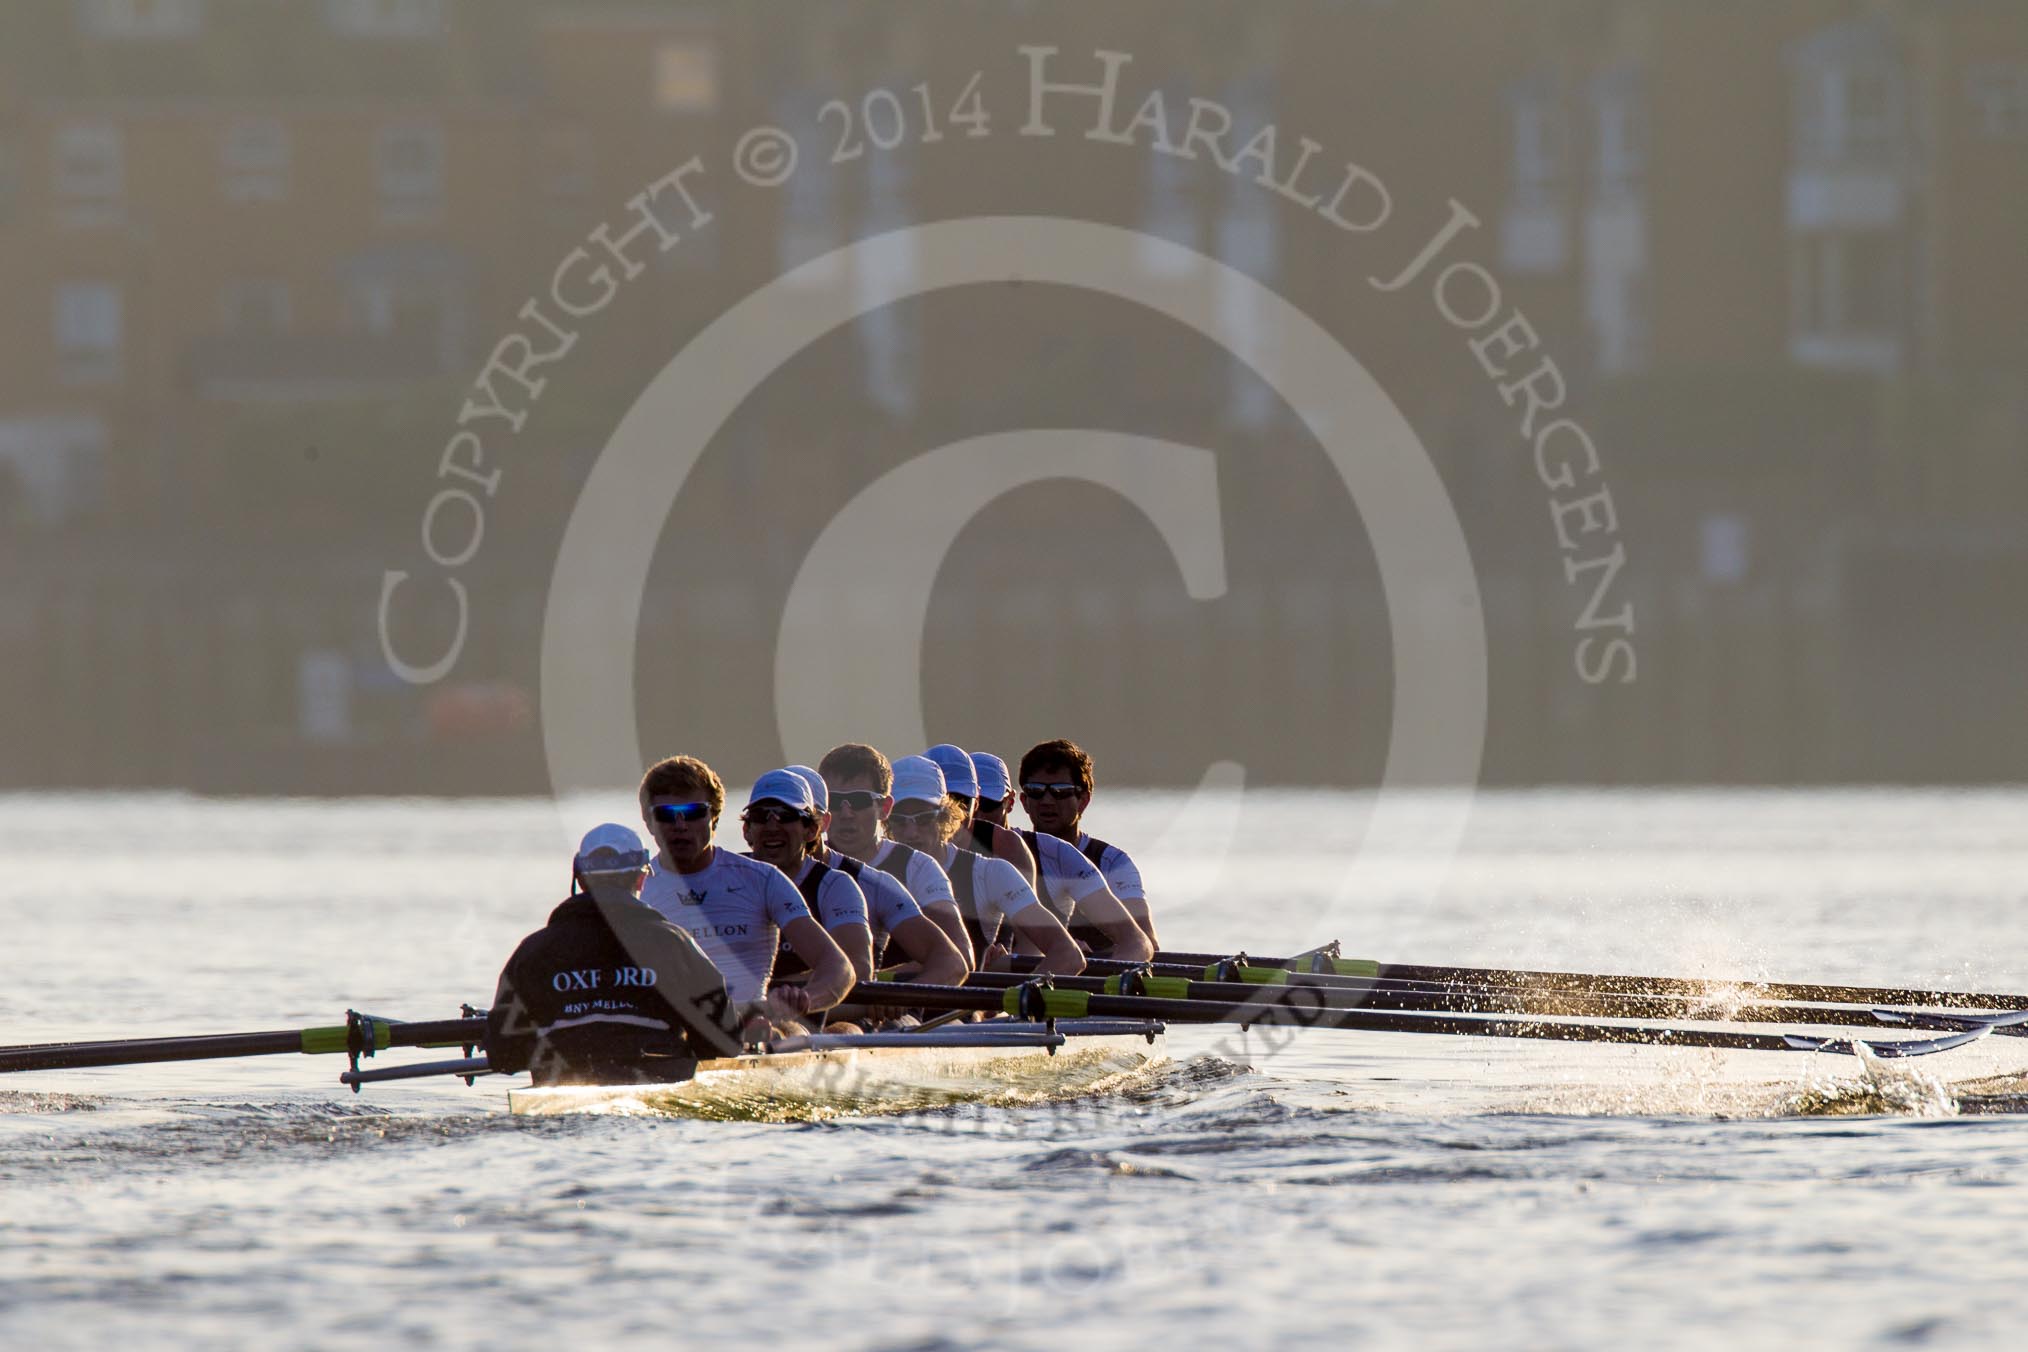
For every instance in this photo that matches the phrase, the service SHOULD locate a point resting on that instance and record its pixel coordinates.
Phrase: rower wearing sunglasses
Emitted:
(739, 909)
(1058, 873)
(996, 903)
(860, 783)
(780, 824)
(901, 933)
(1056, 786)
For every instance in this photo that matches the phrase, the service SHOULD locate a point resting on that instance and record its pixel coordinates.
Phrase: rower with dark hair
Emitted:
(1056, 783)
(1059, 875)
(609, 992)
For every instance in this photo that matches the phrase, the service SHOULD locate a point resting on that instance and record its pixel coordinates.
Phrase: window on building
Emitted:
(255, 306)
(1170, 207)
(1999, 93)
(254, 161)
(812, 217)
(1847, 108)
(1248, 241)
(142, 18)
(1846, 297)
(90, 173)
(89, 332)
(1620, 123)
(409, 163)
(1540, 140)
(686, 76)
(889, 331)
(386, 18)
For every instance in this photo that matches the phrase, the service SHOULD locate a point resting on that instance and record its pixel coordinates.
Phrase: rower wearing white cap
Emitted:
(1056, 788)
(780, 824)
(996, 791)
(1054, 868)
(860, 785)
(739, 909)
(901, 932)
(990, 894)
(961, 783)
(608, 990)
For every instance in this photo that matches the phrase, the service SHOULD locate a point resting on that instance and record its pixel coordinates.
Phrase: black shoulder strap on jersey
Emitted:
(1095, 850)
(788, 962)
(850, 867)
(965, 891)
(895, 865)
(812, 881)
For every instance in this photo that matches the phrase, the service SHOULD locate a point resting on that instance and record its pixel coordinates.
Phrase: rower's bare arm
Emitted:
(942, 963)
(1110, 916)
(1039, 926)
(856, 942)
(945, 914)
(1137, 907)
(830, 970)
(1009, 846)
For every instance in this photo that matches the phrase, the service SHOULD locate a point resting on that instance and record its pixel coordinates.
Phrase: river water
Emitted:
(1328, 1189)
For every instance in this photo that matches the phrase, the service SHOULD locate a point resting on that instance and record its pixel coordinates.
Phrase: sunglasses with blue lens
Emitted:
(680, 812)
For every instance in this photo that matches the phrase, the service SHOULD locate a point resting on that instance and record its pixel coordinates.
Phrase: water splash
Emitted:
(1884, 1088)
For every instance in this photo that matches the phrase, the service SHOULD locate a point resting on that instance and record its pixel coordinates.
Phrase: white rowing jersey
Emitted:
(735, 907)
(1121, 873)
(840, 899)
(887, 900)
(927, 883)
(1064, 872)
(998, 890)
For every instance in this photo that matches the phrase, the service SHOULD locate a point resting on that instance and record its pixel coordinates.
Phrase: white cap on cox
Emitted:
(992, 772)
(959, 776)
(819, 792)
(610, 848)
(785, 787)
(918, 777)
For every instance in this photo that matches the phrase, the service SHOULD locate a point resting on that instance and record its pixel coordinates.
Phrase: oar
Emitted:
(1431, 997)
(1327, 963)
(363, 1036)
(1037, 1000)
(1397, 993)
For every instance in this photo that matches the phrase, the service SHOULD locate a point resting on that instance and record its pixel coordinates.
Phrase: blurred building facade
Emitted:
(257, 251)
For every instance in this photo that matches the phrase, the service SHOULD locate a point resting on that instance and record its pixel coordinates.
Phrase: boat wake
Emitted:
(821, 1092)
(13, 1102)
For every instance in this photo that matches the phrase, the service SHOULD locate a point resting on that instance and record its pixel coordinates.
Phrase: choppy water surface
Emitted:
(1340, 1188)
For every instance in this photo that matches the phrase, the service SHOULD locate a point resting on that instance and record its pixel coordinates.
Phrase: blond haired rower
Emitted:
(738, 909)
